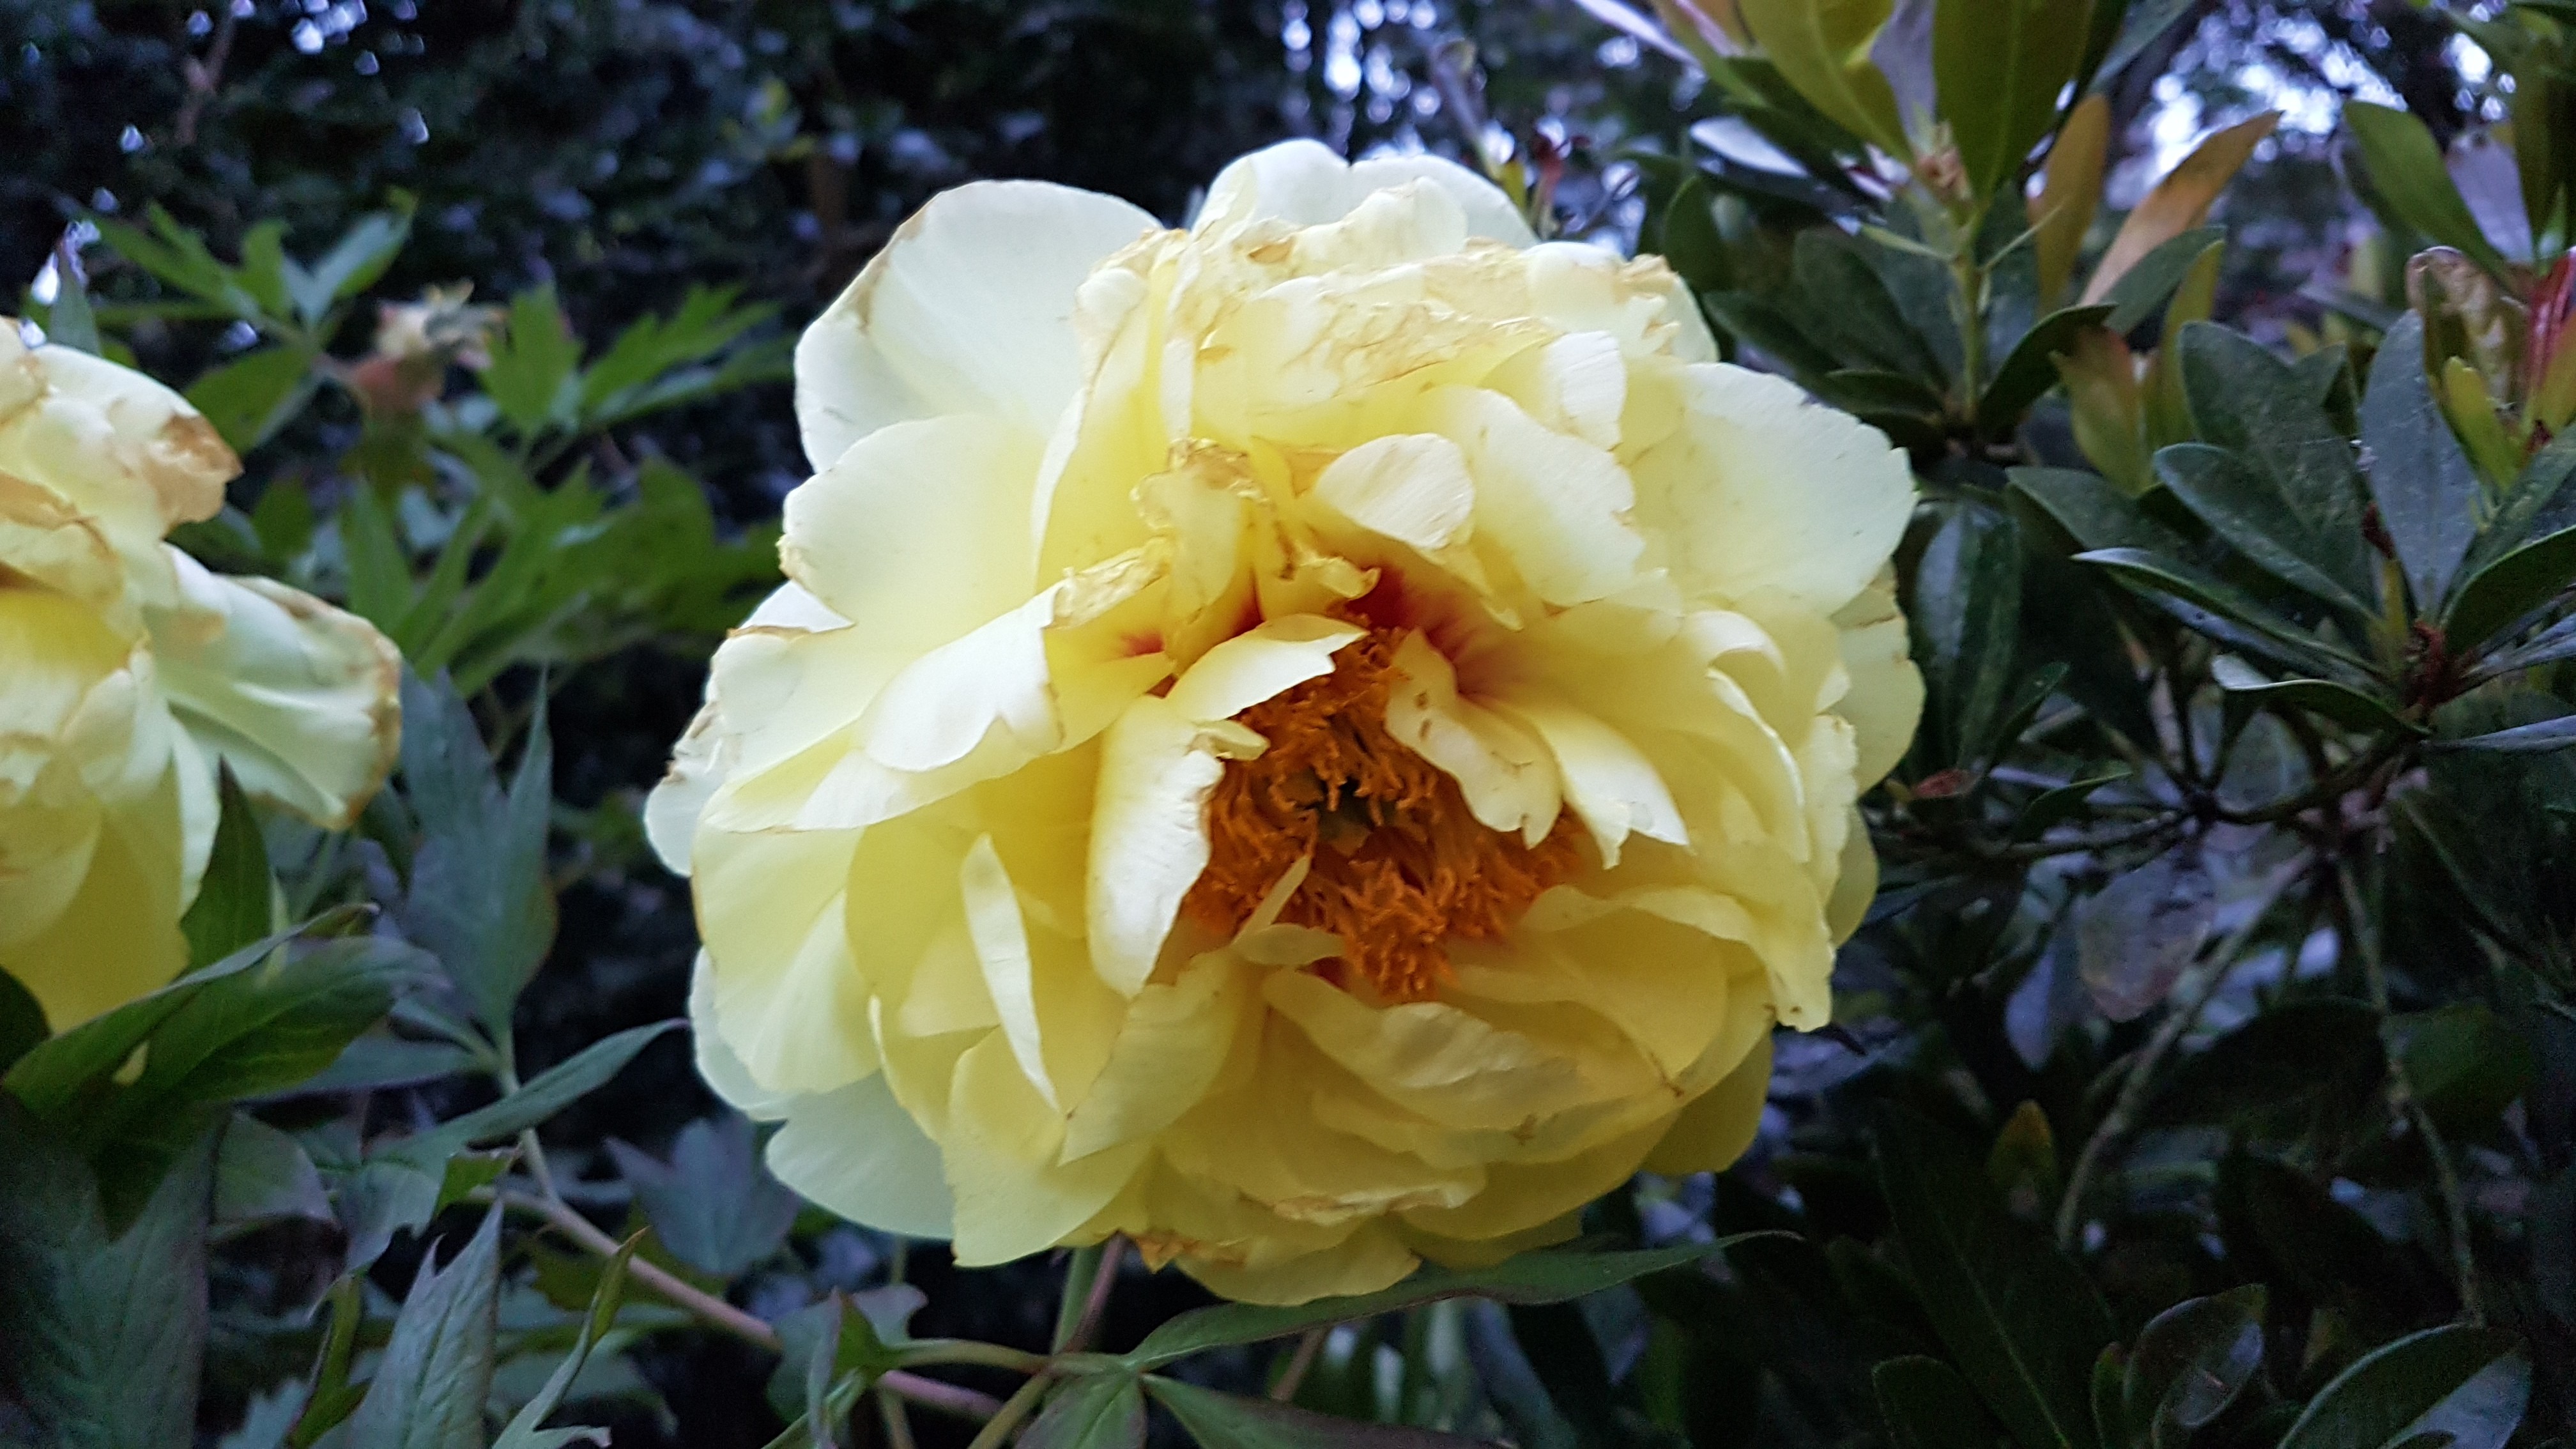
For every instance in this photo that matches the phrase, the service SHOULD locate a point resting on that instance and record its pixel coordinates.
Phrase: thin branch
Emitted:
(2403, 1101)
(927, 1392)
(898, 1426)
(1096, 1303)
(998, 1429)
(1309, 1345)
(2190, 995)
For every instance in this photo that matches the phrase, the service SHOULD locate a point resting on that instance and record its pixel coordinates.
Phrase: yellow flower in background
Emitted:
(1315, 741)
(128, 672)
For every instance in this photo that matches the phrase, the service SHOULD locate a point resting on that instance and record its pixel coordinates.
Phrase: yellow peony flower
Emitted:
(127, 672)
(1313, 741)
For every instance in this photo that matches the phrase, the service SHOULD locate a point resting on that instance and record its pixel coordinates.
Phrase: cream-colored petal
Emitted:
(856, 1151)
(1763, 494)
(1366, 1261)
(1555, 506)
(1885, 701)
(116, 445)
(1303, 183)
(968, 309)
(1519, 1197)
(1256, 665)
(1430, 1058)
(1158, 767)
(773, 911)
(1001, 940)
(300, 699)
(1610, 783)
(1505, 772)
(1169, 1052)
(699, 764)
(1410, 487)
(718, 1066)
(910, 534)
(1577, 385)
(1001, 1147)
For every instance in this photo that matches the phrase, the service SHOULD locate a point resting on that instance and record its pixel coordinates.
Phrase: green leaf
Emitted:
(2255, 405)
(2530, 739)
(262, 1174)
(1225, 1421)
(178, 257)
(354, 262)
(2465, 1063)
(544, 1095)
(2143, 289)
(380, 587)
(1851, 312)
(436, 1373)
(1690, 240)
(2242, 506)
(478, 898)
(2405, 169)
(523, 1430)
(249, 398)
(1756, 322)
(2427, 492)
(1928, 1406)
(2472, 1383)
(1094, 1411)
(714, 1204)
(2134, 938)
(237, 903)
(2031, 370)
(1966, 612)
(22, 1021)
(2020, 1320)
(69, 322)
(2531, 505)
(1822, 47)
(2222, 611)
(2191, 1362)
(1540, 1277)
(2094, 513)
(2340, 703)
(103, 1333)
(533, 360)
(2001, 65)
(2510, 588)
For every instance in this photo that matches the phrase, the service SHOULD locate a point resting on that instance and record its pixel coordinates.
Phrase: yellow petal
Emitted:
(1001, 1146)
(1426, 1056)
(1170, 1051)
(722, 1070)
(789, 998)
(856, 1151)
(1304, 183)
(1610, 783)
(1554, 506)
(300, 699)
(968, 309)
(1506, 773)
(118, 937)
(1158, 766)
(1720, 1124)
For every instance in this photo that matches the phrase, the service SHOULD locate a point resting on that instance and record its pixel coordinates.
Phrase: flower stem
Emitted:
(1087, 1281)
(997, 1430)
(1310, 1344)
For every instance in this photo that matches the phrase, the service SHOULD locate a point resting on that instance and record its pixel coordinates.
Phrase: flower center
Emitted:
(1400, 865)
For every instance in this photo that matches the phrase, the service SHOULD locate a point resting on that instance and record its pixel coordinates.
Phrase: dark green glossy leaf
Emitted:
(2549, 646)
(2340, 703)
(2427, 492)
(2538, 503)
(22, 1021)
(2531, 739)
(2240, 505)
(1966, 612)
(2031, 369)
(2292, 1052)
(2058, 804)
(2143, 289)
(436, 1373)
(1691, 242)
(1928, 1406)
(1850, 311)
(2511, 588)
(2019, 1319)
(2469, 1382)
(2145, 23)
(1757, 323)
(2254, 404)
(1094, 1411)
(2465, 1063)
(2191, 1362)
(235, 905)
(1541, 1277)
(2406, 171)
(2222, 611)
(2093, 512)
(102, 1332)
(2001, 65)
(1225, 1421)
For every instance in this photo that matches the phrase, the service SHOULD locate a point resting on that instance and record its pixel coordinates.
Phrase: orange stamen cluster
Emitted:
(1400, 865)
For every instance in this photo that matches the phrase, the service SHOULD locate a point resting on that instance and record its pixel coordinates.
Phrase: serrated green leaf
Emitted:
(103, 1332)
(714, 1204)
(1094, 1411)
(354, 262)
(249, 398)
(531, 377)
(524, 1431)
(478, 898)
(543, 1096)
(262, 1174)
(436, 1374)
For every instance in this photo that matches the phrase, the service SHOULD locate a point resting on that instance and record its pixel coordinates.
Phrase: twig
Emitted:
(203, 77)
(1080, 1271)
(1309, 1345)
(898, 1427)
(927, 1392)
(2403, 1101)
(2190, 995)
